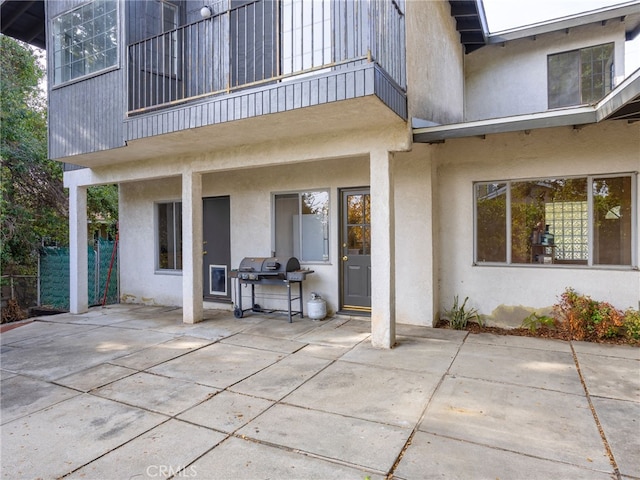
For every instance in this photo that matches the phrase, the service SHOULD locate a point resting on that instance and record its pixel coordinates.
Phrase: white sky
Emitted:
(506, 14)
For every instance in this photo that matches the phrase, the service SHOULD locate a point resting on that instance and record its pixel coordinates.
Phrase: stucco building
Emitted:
(396, 148)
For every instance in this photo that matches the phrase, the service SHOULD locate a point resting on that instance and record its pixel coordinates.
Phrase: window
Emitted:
(162, 52)
(85, 40)
(580, 76)
(577, 221)
(302, 226)
(306, 35)
(169, 222)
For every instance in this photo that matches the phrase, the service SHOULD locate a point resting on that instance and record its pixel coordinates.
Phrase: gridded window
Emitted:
(85, 40)
(580, 76)
(569, 220)
(169, 224)
(578, 221)
(302, 226)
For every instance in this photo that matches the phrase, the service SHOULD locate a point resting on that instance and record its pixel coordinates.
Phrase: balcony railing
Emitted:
(262, 42)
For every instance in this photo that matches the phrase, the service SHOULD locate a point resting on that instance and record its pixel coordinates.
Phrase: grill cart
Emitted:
(283, 272)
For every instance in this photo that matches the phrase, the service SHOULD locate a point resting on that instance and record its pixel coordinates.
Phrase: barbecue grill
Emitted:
(283, 271)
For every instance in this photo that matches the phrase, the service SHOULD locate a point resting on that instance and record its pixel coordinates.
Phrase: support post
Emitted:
(192, 311)
(383, 296)
(78, 258)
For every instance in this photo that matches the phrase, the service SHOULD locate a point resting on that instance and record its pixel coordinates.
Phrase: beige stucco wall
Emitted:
(434, 63)
(250, 193)
(508, 293)
(416, 245)
(511, 78)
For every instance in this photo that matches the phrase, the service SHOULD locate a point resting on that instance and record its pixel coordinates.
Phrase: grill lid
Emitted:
(269, 265)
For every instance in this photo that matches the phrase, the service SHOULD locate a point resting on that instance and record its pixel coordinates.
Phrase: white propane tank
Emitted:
(316, 307)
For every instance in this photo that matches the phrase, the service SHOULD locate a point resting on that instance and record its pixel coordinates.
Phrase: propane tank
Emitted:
(316, 307)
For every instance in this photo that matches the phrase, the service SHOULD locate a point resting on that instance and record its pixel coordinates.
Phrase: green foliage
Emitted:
(631, 324)
(459, 315)
(102, 209)
(33, 203)
(534, 321)
(585, 319)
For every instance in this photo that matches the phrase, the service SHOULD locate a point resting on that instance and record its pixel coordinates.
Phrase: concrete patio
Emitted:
(130, 392)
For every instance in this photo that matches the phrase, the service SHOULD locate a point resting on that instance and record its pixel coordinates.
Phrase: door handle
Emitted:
(345, 258)
(204, 252)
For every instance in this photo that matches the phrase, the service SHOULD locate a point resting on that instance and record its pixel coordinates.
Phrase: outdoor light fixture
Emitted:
(206, 12)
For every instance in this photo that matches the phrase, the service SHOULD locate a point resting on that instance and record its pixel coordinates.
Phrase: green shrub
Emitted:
(534, 321)
(459, 316)
(631, 324)
(585, 319)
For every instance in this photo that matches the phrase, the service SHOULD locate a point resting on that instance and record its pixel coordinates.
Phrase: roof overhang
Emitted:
(471, 23)
(628, 12)
(623, 103)
(24, 20)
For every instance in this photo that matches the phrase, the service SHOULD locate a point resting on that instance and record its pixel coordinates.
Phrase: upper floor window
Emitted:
(85, 40)
(302, 225)
(577, 221)
(580, 76)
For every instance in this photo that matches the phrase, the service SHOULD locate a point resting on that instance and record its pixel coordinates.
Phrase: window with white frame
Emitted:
(85, 40)
(169, 234)
(301, 228)
(579, 221)
(580, 76)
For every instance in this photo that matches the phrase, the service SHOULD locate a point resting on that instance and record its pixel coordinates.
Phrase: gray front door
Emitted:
(356, 250)
(216, 259)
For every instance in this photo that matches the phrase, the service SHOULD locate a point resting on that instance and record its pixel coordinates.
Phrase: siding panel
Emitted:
(361, 80)
(87, 116)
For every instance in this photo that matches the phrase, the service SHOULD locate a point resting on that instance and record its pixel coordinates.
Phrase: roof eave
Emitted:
(625, 95)
(564, 23)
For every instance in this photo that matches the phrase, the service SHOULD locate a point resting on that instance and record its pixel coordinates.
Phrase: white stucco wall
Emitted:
(434, 63)
(511, 78)
(416, 245)
(250, 192)
(506, 292)
(139, 281)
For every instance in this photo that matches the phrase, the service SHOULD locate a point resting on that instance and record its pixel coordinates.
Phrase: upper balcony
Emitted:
(265, 56)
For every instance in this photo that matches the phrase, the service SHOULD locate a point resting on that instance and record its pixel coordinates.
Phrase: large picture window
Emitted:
(85, 40)
(575, 221)
(169, 224)
(302, 225)
(580, 76)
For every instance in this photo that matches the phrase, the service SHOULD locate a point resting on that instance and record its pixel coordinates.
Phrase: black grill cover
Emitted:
(255, 267)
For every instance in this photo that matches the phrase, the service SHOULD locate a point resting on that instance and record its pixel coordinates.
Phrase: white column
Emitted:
(383, 301)
(191, 247)
(78, 258)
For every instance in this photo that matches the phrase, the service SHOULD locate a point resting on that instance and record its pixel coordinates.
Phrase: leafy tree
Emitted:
(102, 209)
(33, 204)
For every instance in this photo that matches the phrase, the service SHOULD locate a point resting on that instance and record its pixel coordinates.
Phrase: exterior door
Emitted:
(356, 250)
(216, 260)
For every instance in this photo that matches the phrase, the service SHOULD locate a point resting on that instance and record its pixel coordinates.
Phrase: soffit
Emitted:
(470, 23)
(24, 20)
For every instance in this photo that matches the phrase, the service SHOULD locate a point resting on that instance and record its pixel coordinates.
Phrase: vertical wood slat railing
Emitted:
(261, 42)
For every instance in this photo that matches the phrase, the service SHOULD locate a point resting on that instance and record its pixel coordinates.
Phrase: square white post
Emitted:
(78, 258)
(383, 296)
(192, 311)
